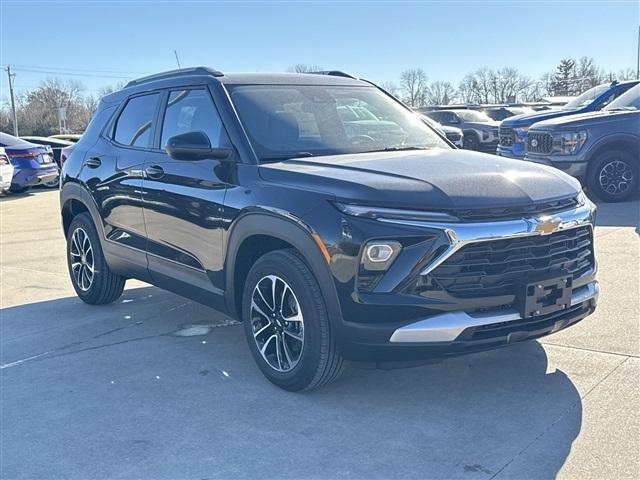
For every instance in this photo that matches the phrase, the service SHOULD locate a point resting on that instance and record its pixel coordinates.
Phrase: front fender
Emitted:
(287, 229)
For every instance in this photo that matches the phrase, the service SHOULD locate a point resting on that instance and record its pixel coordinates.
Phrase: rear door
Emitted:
(183, 200)
(113, 171)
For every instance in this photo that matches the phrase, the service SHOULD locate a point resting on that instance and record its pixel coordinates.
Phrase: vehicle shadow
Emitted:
(155, 386)
(12, 196)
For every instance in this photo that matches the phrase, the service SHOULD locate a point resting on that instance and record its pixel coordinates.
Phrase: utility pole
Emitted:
(638, 59)
(13, 102)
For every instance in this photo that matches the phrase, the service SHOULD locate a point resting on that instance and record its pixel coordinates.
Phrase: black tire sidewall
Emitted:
(101, 271)
(593, 181)
(305, 287)
(470, 141)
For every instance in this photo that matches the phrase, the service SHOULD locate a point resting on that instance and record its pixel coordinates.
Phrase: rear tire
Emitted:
(287, 325)
(52, 183)
(613, 176)
(90, 275)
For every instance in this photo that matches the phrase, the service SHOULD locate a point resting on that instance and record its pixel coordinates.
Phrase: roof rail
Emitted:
(335, 73)
(176, 73)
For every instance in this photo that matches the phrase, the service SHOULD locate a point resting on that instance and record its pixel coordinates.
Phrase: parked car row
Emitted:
(595, 138)
(32, 161)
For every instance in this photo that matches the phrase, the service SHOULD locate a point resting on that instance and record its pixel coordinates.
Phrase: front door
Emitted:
(183, 202)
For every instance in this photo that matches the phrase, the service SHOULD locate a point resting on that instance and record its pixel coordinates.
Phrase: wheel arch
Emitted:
(255, 234)
(74, 199)
(624, 142)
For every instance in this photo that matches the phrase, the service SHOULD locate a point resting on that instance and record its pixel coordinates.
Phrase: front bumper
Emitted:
(510, 152)
(574, 165)
(448, 327)
(393, 329)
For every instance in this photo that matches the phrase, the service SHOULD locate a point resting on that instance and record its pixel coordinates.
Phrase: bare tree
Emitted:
(392, 88)
(413, 84)
(626, 74)
(441, 93)
(40, 110)
(304, 68)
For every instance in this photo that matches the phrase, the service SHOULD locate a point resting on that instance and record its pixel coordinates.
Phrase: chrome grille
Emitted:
(507, 136)
(496, 267)
(540, 142)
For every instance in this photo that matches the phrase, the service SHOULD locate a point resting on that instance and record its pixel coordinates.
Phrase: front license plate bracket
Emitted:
(545, 296)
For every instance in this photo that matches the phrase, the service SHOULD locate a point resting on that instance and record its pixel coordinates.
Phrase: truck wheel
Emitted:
(613, 176)
(470, 141)
(287, 325)
(17, 189)
(92, 280)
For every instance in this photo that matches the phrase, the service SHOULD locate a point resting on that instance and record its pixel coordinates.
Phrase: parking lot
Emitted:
(156, 386)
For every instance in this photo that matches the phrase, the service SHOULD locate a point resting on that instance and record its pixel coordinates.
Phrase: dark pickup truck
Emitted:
(601, 148)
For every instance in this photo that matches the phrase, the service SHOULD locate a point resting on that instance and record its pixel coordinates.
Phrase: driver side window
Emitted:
(189, 111)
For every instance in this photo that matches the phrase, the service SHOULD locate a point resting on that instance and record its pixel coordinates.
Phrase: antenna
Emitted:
(177, 59)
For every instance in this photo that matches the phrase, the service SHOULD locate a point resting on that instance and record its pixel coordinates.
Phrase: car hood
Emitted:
(430, 179)
(528, 119)
(587, 119)
(482, 125)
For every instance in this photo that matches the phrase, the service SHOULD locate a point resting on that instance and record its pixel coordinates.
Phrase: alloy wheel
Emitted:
(82, 261)
(615, 177)
(277, 323)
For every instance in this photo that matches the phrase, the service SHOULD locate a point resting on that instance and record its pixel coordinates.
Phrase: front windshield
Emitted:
(288, 121)
(473, 116)
(586, 98)
(629, 100)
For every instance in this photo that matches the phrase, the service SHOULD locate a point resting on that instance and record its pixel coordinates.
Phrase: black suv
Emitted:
(602, 149)
(250, 193)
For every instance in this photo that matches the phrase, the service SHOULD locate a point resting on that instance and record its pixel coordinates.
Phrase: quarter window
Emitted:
(135, 124)
(190, 111)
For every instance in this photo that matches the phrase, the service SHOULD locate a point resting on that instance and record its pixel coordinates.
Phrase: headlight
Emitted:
(568, 143)
(394, 213)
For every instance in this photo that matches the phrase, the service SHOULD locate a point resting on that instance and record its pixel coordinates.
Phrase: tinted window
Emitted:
(134, 126)
(286, 121)
(190, 111)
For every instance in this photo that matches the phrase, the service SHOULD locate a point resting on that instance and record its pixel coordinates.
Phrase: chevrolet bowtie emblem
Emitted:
(546, 225)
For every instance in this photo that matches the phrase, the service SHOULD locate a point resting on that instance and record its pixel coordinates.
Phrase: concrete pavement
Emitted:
(156, 386)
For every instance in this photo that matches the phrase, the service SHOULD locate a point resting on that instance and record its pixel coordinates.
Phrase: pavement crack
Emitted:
(558, 420)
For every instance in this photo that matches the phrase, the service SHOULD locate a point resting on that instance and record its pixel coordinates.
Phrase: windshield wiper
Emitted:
(396, 149)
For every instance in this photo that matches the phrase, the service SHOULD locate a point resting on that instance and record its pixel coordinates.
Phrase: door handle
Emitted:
(93, 162)
(154, 171)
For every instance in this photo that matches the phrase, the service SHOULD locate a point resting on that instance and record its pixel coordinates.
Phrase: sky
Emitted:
(102, 43)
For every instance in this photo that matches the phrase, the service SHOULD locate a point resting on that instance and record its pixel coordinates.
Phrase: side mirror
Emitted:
(195, 146)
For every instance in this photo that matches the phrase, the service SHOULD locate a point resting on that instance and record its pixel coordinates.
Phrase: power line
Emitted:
(71, 74)
(85, 70)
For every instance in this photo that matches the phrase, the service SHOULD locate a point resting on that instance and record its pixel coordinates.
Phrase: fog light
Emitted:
(379, 255)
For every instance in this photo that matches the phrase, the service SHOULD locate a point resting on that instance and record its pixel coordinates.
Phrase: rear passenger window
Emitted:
(135, 124)
(191, 111)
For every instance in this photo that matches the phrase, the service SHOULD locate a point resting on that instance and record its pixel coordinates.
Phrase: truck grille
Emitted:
(507, 136)
(540, 142)
(495, 267)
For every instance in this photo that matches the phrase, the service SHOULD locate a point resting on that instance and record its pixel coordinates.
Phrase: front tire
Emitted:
(287, 325)
(613, 176)
(471, 141)
(90, 275)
